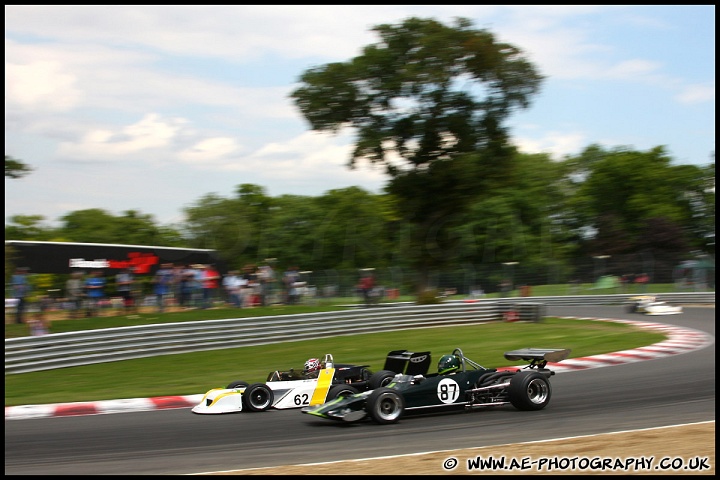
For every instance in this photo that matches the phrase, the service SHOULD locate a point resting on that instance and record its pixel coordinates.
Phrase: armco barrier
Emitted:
(30, 354)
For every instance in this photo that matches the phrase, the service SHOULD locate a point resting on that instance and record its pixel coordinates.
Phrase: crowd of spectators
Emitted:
(173, 287)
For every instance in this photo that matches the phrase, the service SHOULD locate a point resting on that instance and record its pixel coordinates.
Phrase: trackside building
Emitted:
(66, 257)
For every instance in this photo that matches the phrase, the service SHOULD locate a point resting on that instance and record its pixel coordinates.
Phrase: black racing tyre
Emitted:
(237, 384)
(529, 391)
(258, 397)
(337, 391)
(632, 308)
(385, 405)
(380, 379)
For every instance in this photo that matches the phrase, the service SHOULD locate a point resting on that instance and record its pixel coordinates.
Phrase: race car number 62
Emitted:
(302, 399)
(448, 390)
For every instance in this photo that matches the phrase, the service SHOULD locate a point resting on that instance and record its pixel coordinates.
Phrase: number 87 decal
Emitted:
(448, 390)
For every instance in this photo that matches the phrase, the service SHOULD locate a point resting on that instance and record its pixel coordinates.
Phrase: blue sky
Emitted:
(150, 108)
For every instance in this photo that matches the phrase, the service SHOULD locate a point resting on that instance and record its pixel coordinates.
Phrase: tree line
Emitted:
(549, 216)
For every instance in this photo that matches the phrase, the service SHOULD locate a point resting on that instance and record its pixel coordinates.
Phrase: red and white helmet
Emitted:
(312, 365)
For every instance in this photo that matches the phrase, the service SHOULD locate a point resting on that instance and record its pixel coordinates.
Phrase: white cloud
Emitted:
(697, 94)
(632, 69)
(307, 153)
(102, 144)
(310, 162)
(556, 144)
(210, 151)
(40, 85)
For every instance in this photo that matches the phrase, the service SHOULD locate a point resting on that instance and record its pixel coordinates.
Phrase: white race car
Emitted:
(289, 389)
(649, 305)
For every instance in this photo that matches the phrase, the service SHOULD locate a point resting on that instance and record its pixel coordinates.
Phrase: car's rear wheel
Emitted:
(237, 384)
(385, 405)
(258, 397)
(529, 391)
(380, 379)
(337, 391)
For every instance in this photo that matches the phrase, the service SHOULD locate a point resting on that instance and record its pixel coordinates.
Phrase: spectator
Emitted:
(505, 287)
(643, 279)
(291, 278)
(75, 293)
(624, 283)
(124, 283)
(367, 283)
(20, 292)
(186, 286)
(178, 270)
(242, 288)
(95, 292)
(197, 285)
(232, 284)
(40, 323)
(39, 326)
(163, 284)
(266, 281)
(211, 280)
(248, 280)
(477, 292)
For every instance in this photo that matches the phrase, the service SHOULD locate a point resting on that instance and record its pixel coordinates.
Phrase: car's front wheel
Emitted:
(258, 397)
(529, 391)
(385, 405)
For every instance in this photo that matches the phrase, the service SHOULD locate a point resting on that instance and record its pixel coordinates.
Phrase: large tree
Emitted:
(428, 102)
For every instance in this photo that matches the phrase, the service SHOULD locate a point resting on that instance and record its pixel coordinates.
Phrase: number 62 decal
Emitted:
(302, 399)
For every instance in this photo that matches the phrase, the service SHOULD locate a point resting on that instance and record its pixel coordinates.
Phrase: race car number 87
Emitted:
(448, 390)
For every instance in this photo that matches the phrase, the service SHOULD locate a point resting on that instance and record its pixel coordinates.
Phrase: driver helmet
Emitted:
(312, 365)
(448, 364)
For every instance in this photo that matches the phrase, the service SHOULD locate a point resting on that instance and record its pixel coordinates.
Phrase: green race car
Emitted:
(459, 383)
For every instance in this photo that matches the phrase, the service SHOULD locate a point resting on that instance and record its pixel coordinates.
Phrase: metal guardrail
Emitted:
(681, 298)
(60, 350)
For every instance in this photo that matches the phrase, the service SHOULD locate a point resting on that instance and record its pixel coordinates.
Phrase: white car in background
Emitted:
(650, 305)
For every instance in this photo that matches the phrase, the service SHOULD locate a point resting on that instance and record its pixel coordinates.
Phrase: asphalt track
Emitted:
(663, 385)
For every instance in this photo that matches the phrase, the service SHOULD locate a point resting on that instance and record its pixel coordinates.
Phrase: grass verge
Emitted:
(193, 373)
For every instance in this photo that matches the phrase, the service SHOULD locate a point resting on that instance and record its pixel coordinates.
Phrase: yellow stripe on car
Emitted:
(323, 385)
(208, 393)
(222, 395)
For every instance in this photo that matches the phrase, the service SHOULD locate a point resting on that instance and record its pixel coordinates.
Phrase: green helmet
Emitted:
(448, 364)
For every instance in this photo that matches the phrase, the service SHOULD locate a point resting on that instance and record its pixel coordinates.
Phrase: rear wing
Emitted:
(408, 363)
(539, 356)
